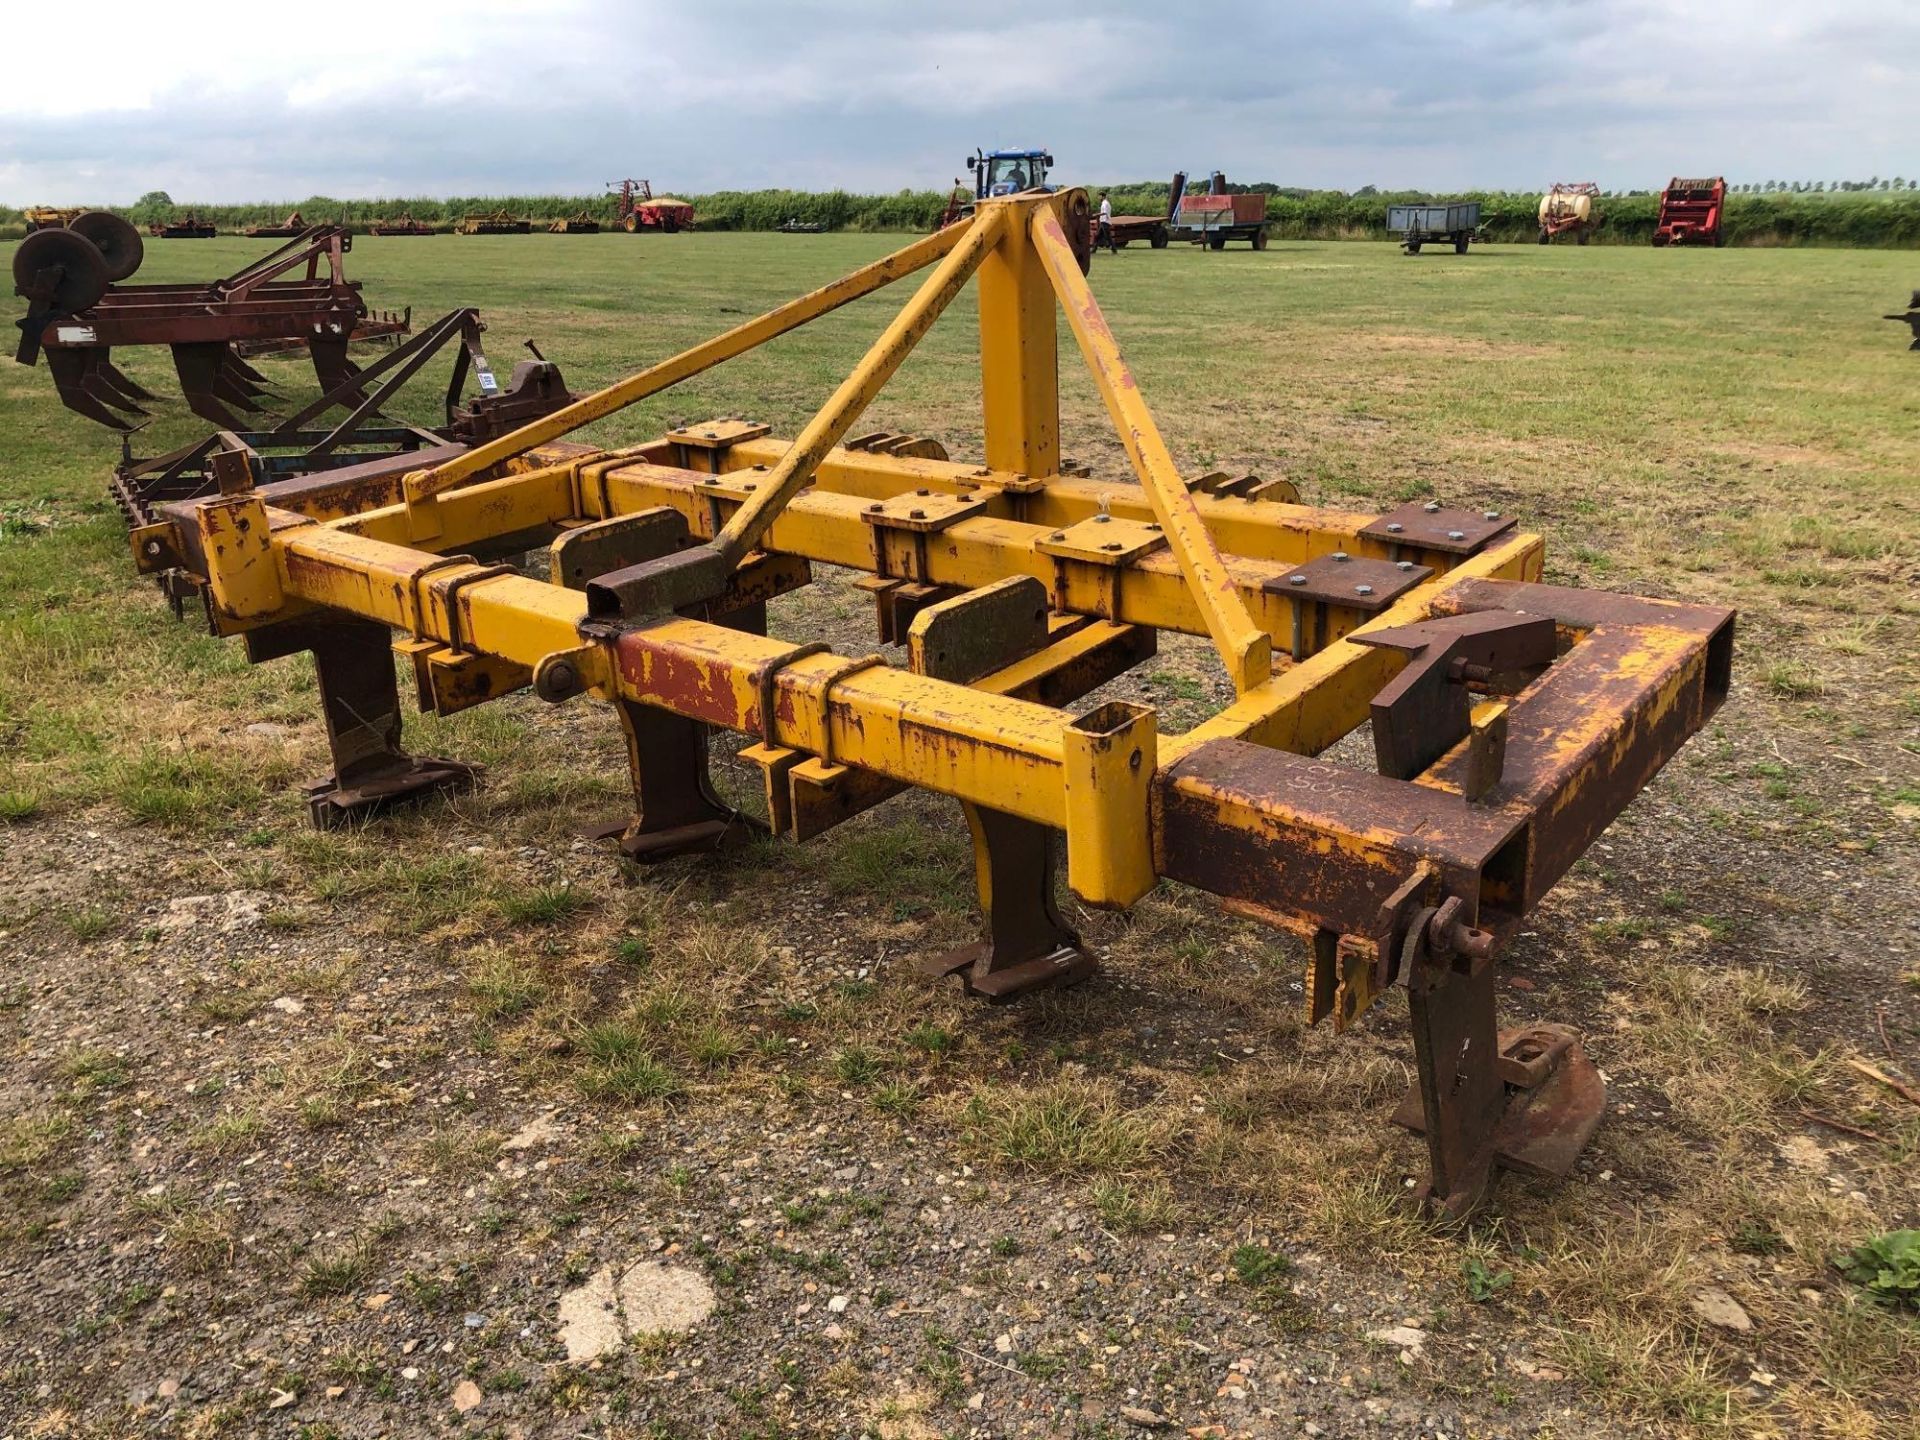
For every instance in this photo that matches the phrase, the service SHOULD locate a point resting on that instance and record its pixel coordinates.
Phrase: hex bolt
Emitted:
(1363, 589)
(1394, 527)
(1341, 556)
(1432, 507)
(1492, 515)
(711, 480)
(1113, 545)
(1154, 528)
(1296, 579)
(1058, 535)
(1456, 534)
(923, 492)
(1403, 564)
(876, 509)
(1102, 518)
(916, 514)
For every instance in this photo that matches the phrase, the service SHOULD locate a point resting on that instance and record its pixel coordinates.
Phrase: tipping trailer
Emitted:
(1419, 225)
(1690, 212)
(1214, 218)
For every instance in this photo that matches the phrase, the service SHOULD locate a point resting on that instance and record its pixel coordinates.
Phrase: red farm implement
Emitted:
(184, 227)
(77, 313)
(403, 224)
(641, 210)
(1690, 212)
(285, 230)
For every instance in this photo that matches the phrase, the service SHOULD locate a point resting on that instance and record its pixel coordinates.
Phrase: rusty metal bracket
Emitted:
(1427, 709)
(1433, 526)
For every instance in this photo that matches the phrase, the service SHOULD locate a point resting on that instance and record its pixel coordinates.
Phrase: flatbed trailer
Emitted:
(1419, 225)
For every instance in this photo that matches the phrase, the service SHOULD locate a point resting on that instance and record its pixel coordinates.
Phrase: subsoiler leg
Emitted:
(360, 700)
(1028, 945)
(675, 811)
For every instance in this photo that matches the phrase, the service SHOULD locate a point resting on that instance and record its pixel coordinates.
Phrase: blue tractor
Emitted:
(997, 172)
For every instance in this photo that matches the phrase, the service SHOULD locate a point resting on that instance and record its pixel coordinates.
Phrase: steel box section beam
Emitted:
(1244, 647)
(1316, 846)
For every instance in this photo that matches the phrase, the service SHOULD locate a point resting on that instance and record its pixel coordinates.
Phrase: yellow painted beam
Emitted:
(1246, 649)
(820, 434)
(422, 485)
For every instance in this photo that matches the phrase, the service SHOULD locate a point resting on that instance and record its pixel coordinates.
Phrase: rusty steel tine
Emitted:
(68, 368)
(122, 381)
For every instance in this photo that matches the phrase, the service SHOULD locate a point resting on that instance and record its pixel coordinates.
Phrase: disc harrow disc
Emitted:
(117, 240)
(83, 272)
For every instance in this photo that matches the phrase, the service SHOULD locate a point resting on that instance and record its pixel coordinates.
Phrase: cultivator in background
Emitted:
(1911, 318)
(183, 227)
(48, 217)
(1511, 720)
(581, 224)
(285, 230)
(497, 222)
(403, 224)
(365, 442)
(77, 312)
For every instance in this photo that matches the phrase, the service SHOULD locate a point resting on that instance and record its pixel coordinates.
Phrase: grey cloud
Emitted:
(877, 96)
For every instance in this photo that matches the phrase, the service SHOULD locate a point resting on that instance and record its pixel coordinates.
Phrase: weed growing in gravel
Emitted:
(1060, 1127)
(1133, 1209)
(336, 1273)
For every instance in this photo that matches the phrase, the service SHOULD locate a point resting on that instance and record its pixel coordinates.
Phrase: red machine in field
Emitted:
(641, 210)
(1690, 212)
(78, 311)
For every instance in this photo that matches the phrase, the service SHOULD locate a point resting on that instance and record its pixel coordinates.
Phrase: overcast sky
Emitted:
(221, 101)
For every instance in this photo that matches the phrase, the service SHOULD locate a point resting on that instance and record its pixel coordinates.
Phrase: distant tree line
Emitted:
(1873, 212)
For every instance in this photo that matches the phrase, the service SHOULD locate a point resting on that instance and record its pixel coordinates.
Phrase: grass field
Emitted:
(260, 1078)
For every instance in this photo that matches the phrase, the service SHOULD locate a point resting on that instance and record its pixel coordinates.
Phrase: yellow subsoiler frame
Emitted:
(1511, 720)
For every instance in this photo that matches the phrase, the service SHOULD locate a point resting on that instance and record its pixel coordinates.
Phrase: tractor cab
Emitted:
(1008, 172)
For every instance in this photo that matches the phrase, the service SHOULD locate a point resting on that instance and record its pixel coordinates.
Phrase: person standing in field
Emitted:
(1103, 235)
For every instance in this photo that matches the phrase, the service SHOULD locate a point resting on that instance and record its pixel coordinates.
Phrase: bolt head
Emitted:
(1404, 564)
(1296, 579)
(916, 514)
(1492, 515)
(1363, 589)
(1113, 545)
(1340, 556)
(1058, 535)
(1456, 534)
(1432, 507)
(923, 492)
(1394, 527)
(876, 509)
(1102, 519)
